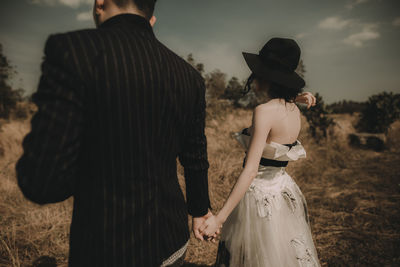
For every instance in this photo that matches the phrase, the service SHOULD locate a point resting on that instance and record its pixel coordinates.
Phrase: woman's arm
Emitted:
(263, 117)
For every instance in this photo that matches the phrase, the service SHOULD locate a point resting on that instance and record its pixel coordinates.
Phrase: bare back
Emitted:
(286, 124)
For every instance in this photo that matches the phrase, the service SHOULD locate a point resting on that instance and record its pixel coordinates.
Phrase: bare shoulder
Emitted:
(269, 107)
(280, 105)
(266, 111)
(275, 109)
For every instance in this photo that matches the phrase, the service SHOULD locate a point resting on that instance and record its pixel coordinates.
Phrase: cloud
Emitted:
(354, 3)
(334, 23)
(396, 22)
(369, 32)
(43, 2)
(214, 55)
(69, 3)
(84, 16)
(300, 35)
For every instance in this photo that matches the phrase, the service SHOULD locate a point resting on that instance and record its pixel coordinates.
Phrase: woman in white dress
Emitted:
(265, 219)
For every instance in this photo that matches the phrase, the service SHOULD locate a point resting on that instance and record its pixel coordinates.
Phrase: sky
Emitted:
(350, 48)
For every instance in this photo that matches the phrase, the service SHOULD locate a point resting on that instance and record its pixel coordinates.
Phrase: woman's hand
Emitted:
(211, 227)
(306, 98)
(197, 222)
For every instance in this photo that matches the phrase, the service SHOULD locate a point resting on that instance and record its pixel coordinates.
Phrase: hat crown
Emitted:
(284, 53)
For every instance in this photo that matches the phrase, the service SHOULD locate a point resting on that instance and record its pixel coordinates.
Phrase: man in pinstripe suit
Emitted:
(115, 109)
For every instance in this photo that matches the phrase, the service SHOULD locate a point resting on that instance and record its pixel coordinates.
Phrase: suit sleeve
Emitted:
(47, 169)
(194, 159)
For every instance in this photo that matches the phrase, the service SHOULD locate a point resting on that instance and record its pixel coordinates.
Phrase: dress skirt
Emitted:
(269, 226)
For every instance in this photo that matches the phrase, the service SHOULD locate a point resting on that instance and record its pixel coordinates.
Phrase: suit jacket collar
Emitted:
(128, 20)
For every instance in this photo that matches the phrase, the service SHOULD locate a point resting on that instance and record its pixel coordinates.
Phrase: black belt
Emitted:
(270, 162)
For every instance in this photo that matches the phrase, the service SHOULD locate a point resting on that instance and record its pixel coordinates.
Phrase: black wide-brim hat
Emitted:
(277, 62)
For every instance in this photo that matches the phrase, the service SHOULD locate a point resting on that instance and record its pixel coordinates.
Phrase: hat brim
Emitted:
(291, 80)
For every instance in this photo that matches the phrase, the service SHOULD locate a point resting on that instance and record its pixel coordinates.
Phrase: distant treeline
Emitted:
(376, 114)
(219, 87)
(346, 106)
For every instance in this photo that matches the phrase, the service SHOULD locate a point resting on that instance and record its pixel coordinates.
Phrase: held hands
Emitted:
(200, 223)
(306, 98)
(211, 227)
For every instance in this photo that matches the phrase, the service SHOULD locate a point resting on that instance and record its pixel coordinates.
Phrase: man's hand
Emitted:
(306, 98)
(211, 227)
(197, 222)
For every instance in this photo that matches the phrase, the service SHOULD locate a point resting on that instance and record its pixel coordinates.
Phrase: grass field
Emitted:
(353, 196)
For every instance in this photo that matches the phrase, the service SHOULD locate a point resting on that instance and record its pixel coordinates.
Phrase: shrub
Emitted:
(380, 112)
(233, 90)
(215, 83)
(317, 119)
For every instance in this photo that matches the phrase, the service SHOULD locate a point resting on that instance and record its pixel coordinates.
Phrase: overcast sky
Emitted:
(351, 48)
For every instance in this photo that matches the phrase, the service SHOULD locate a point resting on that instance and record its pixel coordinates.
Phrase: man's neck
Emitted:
(113, 10)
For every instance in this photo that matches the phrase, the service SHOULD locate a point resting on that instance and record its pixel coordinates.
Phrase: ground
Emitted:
(352, 194)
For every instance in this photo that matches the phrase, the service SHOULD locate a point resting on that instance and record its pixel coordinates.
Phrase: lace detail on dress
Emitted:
(290, 199)
(303, 254)
(263, 201)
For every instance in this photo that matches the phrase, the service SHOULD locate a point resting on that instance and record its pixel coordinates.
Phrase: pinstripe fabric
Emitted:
(116, 110)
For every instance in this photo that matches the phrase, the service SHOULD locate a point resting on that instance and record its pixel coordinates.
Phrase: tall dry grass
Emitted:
(27, 230)
(352, 194)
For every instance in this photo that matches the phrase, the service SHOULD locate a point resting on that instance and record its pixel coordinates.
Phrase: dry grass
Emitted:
(353, 196)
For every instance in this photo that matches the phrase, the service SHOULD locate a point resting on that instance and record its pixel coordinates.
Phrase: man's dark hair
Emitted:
(146, 6)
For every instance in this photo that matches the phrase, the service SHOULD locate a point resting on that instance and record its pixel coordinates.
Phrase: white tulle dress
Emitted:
(270, 225)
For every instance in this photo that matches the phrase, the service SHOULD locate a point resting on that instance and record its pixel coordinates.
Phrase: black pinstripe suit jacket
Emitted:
(115, 110)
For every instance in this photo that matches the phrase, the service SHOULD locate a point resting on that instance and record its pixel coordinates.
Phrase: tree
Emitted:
(190, 59)
(379, 113)
(233, 90)
(317, 119)
(215, 83)
(317, 116)
(8, 96)
(198, 66)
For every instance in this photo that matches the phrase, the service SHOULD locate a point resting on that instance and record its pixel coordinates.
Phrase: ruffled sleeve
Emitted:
(274, 150)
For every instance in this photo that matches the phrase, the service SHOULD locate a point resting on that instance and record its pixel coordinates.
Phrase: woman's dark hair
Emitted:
(274, 90)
